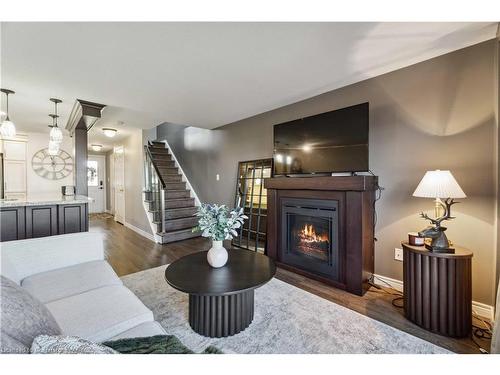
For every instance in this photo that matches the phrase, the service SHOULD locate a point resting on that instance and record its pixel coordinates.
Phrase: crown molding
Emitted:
(84, 115)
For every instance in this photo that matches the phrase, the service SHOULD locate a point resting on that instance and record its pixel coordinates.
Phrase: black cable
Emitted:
(397, 299)
(379, 191)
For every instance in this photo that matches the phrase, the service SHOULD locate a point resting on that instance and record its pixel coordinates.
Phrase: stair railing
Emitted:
(155, 186)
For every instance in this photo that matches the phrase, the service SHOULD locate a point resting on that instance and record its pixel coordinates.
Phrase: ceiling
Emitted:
(96, 135)
(204, 74)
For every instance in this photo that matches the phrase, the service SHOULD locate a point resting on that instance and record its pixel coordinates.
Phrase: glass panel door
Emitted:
(252, 196)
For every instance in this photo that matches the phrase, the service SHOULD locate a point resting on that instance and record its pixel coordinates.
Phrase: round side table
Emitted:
(438, 289)
(221, 300)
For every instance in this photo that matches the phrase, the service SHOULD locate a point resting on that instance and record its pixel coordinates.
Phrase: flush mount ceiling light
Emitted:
(109, 132)
(7, 129)
(56, 134)
(96, 147)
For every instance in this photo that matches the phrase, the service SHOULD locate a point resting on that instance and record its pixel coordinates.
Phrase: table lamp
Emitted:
(438, 184)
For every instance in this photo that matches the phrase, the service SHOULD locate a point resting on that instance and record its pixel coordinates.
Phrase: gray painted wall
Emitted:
(438, 114)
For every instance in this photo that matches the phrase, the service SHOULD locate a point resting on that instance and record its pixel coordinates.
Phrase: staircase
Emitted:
(166, 197)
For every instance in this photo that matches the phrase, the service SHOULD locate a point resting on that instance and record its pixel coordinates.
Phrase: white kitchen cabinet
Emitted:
(14, 150)
(14, 176)
(14, 167)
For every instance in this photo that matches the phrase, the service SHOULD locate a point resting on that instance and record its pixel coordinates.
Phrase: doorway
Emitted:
(96, 170)
(119, 183)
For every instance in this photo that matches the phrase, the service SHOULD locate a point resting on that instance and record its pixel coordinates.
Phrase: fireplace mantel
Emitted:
(328, 183)
(355, 197)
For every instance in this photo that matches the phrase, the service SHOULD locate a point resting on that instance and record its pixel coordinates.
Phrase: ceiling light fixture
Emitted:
(109, 132)
(53, 148)
(56, 134)
(7, 129)
(96, 147)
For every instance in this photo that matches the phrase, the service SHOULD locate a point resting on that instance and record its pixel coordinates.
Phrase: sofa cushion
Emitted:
(99, 314)
(44, 344)
(64, 282)
(23, 318)
(142, 330)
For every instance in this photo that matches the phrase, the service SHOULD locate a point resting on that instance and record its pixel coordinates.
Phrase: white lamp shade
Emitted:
(53, 148)
(96, 147)
(8, 129)
(56, 135)
(439, 184)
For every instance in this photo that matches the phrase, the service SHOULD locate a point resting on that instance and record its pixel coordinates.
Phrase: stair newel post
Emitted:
(162, 209)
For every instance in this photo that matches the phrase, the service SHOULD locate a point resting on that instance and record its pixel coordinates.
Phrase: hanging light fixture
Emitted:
(7, 129)
(53, 148)
(56, 134)
(96, 148)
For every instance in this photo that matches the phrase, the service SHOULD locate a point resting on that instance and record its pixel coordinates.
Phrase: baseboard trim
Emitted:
(143, 233)
(481, 309)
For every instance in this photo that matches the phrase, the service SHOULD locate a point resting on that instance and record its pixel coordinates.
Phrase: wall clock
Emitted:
(52, 167)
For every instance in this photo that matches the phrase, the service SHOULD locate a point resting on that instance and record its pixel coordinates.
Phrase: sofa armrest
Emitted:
(23, 258)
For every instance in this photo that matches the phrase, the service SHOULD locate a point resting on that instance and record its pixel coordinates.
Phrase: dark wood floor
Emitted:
(129, 252)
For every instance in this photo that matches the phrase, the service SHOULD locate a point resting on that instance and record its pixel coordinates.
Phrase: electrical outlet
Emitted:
(398, 254)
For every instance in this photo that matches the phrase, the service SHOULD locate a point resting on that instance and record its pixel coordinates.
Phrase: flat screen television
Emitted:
(330, 142)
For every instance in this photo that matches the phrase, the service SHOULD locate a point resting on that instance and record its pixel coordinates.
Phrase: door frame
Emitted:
(115, 149)
(104, 179)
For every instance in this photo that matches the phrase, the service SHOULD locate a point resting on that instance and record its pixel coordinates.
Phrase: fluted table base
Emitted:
(221, 316)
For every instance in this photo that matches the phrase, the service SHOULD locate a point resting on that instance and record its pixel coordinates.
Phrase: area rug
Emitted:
(287, 320)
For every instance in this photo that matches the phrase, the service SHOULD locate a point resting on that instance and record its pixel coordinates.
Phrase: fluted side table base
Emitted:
(221, 316)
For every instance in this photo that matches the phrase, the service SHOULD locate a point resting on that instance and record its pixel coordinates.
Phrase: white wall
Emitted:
(35, 183)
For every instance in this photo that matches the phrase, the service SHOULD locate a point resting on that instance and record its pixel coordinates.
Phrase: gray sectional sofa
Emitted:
(69, 276)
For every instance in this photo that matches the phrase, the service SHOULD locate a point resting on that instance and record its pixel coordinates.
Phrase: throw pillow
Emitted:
(23, 318)
(44, 344)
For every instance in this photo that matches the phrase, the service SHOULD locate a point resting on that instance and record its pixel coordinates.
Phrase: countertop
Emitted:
(45, 199)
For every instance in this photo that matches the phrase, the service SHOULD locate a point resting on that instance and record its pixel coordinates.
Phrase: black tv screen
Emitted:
(335, 141)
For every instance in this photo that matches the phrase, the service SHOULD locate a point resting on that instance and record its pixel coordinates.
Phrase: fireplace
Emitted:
(322, 228)
(310, 235)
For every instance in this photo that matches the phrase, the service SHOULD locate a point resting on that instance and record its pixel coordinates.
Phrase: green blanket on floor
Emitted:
(161, 344)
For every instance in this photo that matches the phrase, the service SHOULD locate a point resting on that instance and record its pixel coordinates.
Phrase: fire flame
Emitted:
(308, 234)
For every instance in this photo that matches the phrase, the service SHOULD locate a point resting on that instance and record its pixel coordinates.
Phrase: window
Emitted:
(92, 169)
(252, 196)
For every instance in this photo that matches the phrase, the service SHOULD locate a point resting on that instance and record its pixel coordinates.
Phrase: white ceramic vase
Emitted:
(217, 255)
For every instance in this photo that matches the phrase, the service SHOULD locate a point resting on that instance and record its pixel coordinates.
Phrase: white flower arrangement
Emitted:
(218, 223)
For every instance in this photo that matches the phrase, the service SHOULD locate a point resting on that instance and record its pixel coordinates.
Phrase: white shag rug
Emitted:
(287, 320)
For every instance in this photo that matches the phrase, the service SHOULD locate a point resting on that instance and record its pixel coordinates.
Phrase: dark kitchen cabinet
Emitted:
(32, 221)
(73, 218)
(41, 221)
(12, 224)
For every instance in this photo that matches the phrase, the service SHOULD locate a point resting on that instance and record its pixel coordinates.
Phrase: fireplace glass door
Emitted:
(310, 235)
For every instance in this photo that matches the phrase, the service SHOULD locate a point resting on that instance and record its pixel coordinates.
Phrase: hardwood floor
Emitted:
(129, 252)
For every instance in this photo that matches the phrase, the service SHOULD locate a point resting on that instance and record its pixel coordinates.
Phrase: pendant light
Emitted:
(53, 148)
(7, 129)
(56, 134)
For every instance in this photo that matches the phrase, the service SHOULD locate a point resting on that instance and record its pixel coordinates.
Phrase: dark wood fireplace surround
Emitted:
(355, 196)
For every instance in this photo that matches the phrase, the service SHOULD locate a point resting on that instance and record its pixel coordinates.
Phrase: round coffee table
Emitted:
(221, 300)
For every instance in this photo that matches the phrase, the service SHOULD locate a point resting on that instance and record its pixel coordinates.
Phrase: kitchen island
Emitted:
(43, 215)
